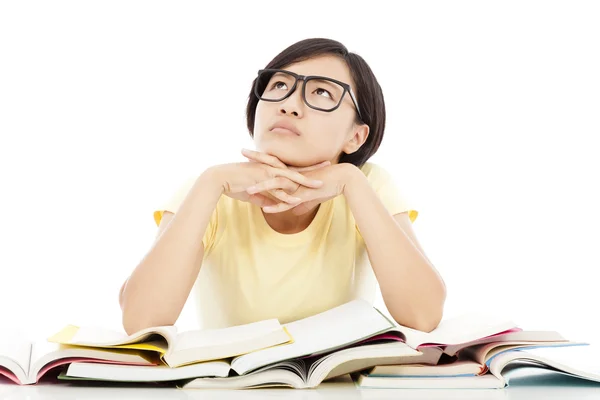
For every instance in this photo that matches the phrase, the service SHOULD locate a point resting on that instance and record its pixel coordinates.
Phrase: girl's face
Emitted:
(321, 135)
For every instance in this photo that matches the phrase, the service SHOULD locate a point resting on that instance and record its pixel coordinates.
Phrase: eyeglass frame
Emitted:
(304, 78)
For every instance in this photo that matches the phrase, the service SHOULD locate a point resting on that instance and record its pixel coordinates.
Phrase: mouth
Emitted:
(284, 131)
(285, 128)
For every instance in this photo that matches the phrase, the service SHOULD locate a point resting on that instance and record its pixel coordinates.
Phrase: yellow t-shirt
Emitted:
(251, 272)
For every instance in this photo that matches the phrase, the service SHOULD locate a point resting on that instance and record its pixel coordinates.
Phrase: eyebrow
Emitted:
(276, 74)
(320, 76)
(325, 82)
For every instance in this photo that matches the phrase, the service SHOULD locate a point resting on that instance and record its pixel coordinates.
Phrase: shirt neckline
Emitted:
(293, 238)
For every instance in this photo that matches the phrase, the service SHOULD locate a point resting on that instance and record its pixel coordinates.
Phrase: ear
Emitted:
(358, 138)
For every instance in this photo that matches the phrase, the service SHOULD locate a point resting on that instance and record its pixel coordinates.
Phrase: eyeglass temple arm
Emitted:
(354, 101)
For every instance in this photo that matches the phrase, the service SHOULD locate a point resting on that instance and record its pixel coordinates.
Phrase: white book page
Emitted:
(534, 336)
(483, 354)
(336, 327)
(139, 373)
(460, 329)
(579, 360)
(268, 378)
(219, 337)
(16, 347)
(452, 369)
(40, 348)
(44, 353)
(360, 358)
(92, 334)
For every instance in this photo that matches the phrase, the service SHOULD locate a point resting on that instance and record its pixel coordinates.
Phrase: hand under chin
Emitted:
(291, 157)
(297, 162)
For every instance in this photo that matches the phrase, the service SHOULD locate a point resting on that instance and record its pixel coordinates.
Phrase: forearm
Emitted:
(413, 291)
(158, 288)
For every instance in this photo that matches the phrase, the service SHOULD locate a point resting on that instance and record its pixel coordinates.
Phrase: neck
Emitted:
(288, 223)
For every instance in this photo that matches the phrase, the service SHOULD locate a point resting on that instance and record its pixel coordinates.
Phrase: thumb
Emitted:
(261, 200)
(304, 208)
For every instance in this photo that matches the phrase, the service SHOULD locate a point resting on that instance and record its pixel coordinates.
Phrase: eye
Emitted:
(320, 91)
(275, 85)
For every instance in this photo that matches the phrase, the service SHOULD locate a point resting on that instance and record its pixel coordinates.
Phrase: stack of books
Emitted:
(354, 338)
(484, 363)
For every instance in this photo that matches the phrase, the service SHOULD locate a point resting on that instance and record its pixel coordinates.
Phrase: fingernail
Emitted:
(251, 189)
(269, 208)
(295, 199)
(317, 182)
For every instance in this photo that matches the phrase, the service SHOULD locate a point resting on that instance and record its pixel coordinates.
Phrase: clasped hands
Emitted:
(290, 188)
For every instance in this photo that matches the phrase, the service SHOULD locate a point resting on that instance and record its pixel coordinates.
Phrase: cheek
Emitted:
(330, 134)
(259, 116)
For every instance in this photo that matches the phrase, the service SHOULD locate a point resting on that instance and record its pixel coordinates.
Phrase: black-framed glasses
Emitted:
(318, 92)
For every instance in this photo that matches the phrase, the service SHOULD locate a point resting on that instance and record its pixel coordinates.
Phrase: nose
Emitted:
(293, 104)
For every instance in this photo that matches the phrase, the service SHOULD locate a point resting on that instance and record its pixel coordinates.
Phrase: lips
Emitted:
(285, 126)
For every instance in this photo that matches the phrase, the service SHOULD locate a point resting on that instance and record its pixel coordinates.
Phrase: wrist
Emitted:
(214, 177)
(349, 174)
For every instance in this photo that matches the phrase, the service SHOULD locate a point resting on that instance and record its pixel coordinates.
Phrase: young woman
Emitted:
(306, 224)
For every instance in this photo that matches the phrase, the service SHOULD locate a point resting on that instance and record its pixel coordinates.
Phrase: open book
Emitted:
(26, 362)
(301, 372)
(180, 348)
(359, 338)
(484, 365)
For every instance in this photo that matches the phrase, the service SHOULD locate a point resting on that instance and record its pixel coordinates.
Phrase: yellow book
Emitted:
(25, 361)
(181, 348)
(346, 338)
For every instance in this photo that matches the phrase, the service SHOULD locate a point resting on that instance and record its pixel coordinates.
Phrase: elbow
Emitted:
(430, 322)
(424, 322)
(130, 321)
(122, 294)
(431, 319)
(425, 317)
(134, 320)
(129, 326)
(434, 312)
(133, 323)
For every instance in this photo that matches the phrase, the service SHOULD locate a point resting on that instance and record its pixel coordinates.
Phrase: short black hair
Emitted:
(368, 92)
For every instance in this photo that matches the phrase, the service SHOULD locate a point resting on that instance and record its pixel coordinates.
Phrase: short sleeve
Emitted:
(395, 200)
(174, 201)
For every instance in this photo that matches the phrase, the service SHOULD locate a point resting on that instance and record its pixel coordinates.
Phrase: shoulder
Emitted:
(376, 174)
(390, 189)
(173, 196)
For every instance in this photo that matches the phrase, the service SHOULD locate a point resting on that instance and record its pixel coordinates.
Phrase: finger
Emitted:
(261, 200)
(306, 207)
(297, 177)
(263, 158)
(275, 188)
(311, 167)
(272, 184)
(254, 160)
(278, 208)
(284, 197)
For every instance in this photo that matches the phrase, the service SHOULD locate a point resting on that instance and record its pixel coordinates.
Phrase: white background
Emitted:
(493, 124)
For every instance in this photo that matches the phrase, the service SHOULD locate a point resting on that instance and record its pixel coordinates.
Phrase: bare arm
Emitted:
(158, 288)
(156, 291)
(412, 289)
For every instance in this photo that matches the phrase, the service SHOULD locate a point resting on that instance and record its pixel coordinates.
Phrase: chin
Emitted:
(296, 159)
(293, 157)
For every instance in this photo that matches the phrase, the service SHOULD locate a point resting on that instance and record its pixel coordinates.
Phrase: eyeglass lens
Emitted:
(320, 93)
